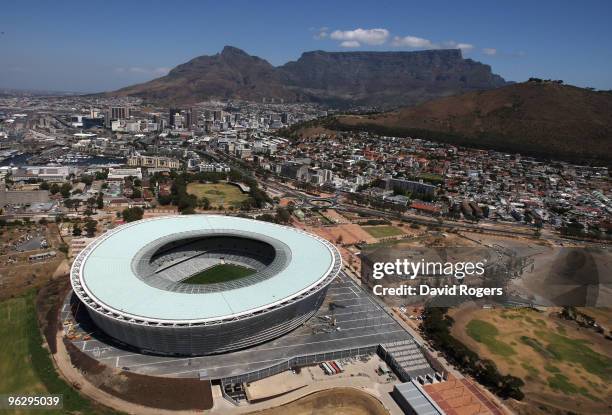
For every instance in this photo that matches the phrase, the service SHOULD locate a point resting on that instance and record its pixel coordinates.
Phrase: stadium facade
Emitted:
(132, 282)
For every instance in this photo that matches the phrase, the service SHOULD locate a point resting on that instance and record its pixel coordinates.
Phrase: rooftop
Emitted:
(107, 273)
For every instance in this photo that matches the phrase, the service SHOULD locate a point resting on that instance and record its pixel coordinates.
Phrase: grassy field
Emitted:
(383, 231)
(26, 366)
(486, 333)
(219, 273)
(559, 363)
(16, 372)
(219, 194)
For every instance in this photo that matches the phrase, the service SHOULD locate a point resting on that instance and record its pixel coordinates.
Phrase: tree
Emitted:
(187, 203)
(100, 201)
(283, 215)
(132, 214)
(76, 230)
(54, 188)
(72, 204)
(164, 199)
(91, 227)
(63, 248)
(65, 190)
(136, 193)
(204, 203)
(44, 186)
(91, 202)
(266, 217)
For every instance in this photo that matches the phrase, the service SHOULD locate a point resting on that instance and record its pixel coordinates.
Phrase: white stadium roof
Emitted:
(104, 272)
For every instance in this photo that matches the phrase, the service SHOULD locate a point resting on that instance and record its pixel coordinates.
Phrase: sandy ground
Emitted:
(350, 233)
(17, 273)
(335, 217)
(62, 269)
(340, 401)
(275, 385)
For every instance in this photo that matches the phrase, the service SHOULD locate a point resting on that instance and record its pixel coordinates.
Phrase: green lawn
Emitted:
(26, 366)
(219, 273)
(486, 333)
(217, 193)
(577, 351)
(16, 372)
(383, 231)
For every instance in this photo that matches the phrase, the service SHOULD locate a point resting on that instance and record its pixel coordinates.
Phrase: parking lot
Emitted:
(348, 319)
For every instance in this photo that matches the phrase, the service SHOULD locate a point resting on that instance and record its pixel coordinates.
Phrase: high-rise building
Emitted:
(194, 117)
(114, 114)
(120, 113)
(187, 118)
(171, 113)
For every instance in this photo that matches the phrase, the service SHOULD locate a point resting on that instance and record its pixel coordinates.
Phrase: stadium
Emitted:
(202, 284)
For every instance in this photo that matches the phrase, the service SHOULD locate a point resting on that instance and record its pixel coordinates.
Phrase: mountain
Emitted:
(541, 118)
(385, 79)
(229, 74)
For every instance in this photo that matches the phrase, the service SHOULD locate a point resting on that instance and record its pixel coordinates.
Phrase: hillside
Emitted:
(229, 74)
(539, 118)
(384, 79)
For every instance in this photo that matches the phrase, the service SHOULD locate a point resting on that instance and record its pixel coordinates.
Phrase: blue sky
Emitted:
(94, 46)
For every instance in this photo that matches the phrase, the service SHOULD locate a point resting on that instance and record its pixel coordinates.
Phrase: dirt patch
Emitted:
(334, 216)
(339, 401)
(347, 234)
(48, 303)
(150, 391)
(17, 272)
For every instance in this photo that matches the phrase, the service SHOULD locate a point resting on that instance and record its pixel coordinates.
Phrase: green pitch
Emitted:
(220, 273)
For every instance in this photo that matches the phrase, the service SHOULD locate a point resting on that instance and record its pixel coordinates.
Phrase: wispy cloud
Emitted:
(350, 44)
(465, 47)
(321, 32)
(413, 42)
(489, 51)
(357, 37)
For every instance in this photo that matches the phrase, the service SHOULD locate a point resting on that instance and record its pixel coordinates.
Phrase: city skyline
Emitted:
(77, 47)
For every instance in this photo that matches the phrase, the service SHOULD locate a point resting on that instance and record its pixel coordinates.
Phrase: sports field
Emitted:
(219, 273)
(559, 363)
(383, 231)
(219, 194)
